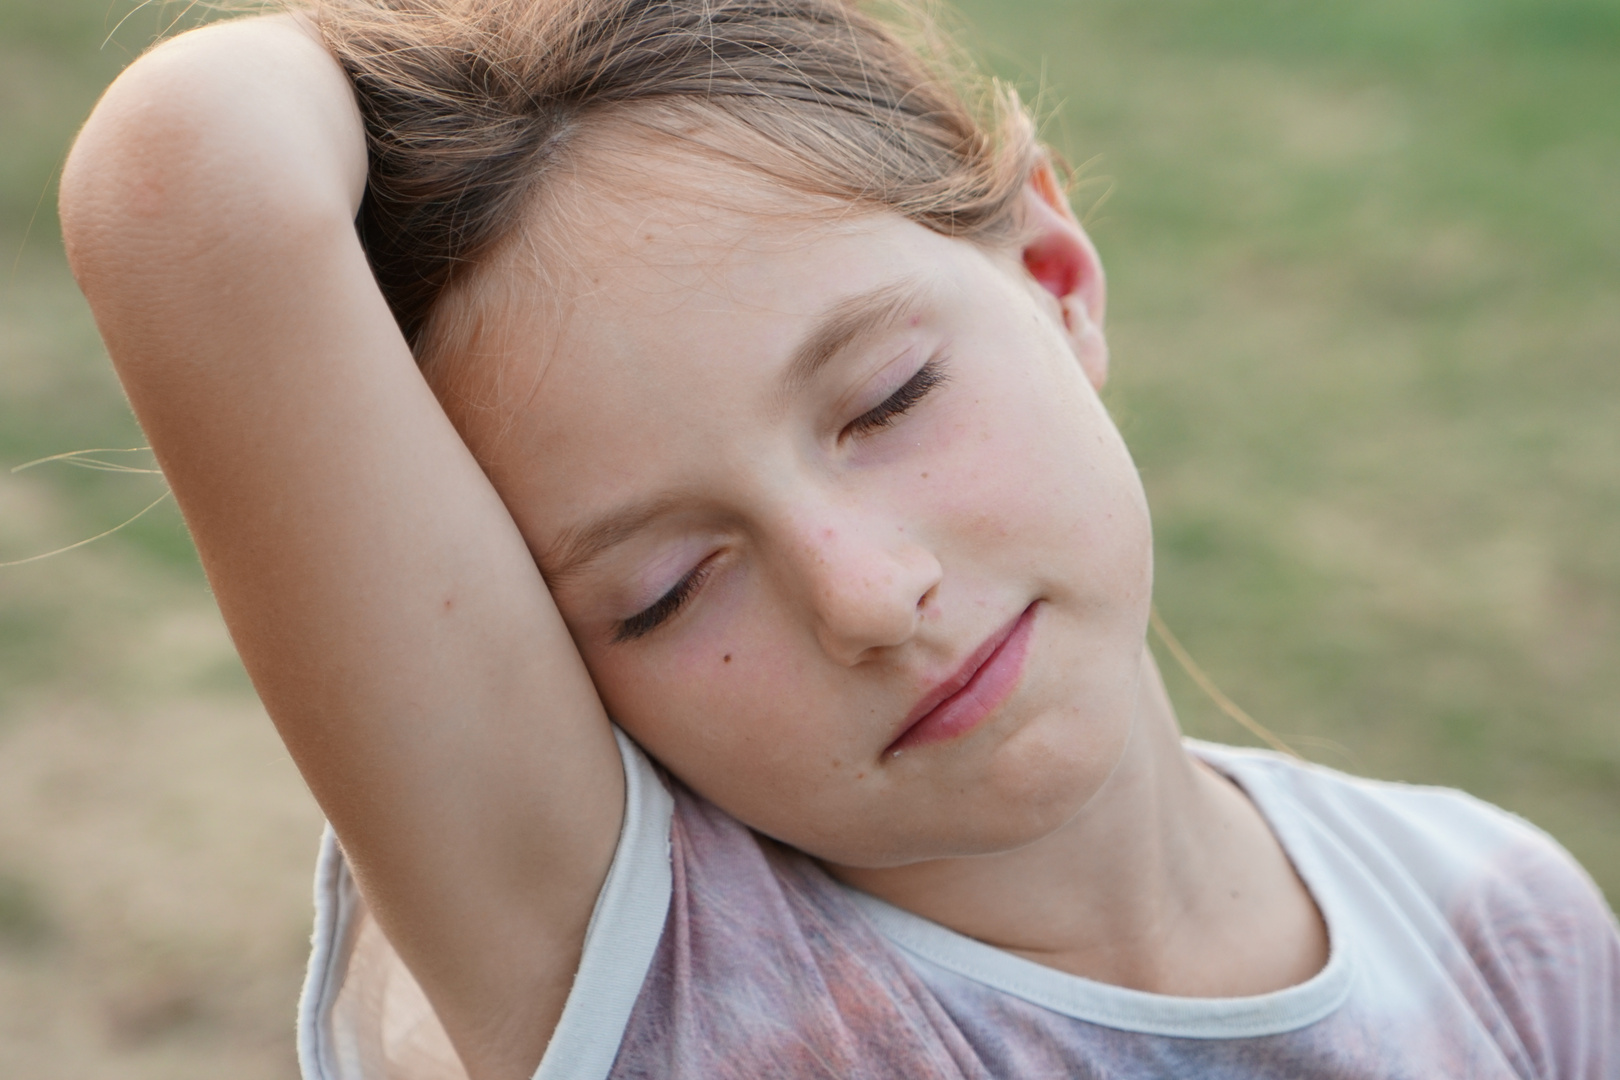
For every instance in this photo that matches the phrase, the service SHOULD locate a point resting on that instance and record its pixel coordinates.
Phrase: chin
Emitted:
(1047, 774)
(1034, 787)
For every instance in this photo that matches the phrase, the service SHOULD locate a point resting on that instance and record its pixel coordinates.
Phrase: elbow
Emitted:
(212, 168)
(123, 175)
(243, 134)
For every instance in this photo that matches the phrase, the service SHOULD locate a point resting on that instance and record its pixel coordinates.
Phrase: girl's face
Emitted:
(834, 513)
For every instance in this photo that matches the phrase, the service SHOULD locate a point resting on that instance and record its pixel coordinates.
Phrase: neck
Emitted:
(1167, 881)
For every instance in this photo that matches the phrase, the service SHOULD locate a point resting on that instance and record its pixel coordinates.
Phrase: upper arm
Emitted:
(381, 597)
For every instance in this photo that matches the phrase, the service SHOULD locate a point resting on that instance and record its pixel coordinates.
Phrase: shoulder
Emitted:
(1528, 925)
(1443, 838)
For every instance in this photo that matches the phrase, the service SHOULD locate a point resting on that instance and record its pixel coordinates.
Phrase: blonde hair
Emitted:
(470, 104)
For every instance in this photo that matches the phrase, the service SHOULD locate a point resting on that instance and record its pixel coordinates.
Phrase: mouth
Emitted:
(962, 702)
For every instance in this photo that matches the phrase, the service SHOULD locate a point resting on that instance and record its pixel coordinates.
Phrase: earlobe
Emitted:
(1060, 257)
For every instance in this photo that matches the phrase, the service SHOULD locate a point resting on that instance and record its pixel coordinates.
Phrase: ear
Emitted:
(1059, 256)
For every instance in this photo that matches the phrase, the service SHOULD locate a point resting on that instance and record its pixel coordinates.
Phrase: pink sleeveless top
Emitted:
(1465, 943)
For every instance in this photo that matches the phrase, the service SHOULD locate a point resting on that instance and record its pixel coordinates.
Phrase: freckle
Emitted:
(728, 658)
(860, 776)
(449, 603)
(925, 476)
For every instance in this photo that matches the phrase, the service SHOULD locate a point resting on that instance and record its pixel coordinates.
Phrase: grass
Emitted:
(1364, 261)
(24, 924)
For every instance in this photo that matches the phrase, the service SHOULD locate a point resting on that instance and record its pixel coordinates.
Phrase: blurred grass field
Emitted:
(1365, 271)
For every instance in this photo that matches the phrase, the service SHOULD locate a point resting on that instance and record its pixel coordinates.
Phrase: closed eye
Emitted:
(663, 609)
(929, 377)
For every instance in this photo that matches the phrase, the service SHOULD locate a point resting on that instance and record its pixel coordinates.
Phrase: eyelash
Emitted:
(645, 622)
(929, 378)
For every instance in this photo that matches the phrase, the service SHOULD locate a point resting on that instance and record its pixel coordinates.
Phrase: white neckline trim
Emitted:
(1123, 1009)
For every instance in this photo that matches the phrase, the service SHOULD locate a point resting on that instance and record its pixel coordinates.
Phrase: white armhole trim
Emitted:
(335, 899)
(624, 931)
(620, 941)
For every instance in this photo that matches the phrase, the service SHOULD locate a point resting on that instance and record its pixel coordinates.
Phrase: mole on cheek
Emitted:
(727, 658)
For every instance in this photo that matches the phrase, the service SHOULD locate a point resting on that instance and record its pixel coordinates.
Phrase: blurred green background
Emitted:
(1365, 271)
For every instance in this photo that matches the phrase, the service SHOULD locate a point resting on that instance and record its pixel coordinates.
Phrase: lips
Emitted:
(963, 701)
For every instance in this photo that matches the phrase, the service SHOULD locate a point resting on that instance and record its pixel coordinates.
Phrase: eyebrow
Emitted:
(576, 548)
(844, 325)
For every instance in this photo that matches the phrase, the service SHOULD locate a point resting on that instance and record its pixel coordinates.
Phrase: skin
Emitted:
(379, 574)
(847, 571)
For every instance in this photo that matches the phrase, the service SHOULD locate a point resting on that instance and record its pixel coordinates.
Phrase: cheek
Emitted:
(732, 701)
(1029, 461)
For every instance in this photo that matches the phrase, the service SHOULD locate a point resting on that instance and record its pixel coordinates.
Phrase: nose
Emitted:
(867, 582)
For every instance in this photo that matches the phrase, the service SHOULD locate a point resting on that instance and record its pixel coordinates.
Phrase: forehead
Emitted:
(674, 242)
(646, 322)
(649, 228)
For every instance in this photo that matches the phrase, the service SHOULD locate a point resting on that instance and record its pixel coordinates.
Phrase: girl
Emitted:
(709, 365)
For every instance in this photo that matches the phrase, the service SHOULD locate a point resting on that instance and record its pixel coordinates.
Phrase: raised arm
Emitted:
(384, 603)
